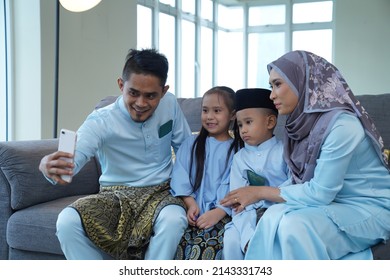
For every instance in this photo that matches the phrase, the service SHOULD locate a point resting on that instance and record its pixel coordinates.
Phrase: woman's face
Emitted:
(282, 95)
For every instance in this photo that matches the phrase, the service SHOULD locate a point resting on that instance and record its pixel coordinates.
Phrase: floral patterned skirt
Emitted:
(202, 244)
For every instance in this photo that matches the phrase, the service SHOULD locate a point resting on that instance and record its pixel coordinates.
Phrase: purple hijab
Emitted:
(323, 94)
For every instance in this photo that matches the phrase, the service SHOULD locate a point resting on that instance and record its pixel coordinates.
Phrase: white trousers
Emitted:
(232, 243)
(167, 232)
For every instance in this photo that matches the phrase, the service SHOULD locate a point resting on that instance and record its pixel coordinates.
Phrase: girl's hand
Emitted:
(192, 210)
(210, 218)
(192, 215)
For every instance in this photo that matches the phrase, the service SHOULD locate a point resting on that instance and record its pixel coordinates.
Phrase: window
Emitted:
(316, 41)
(3, 74)
(203, 50)
(266, 15)
(166, 37)
(313, 12)
(263, 48)
(144, 23)
(229, 43)
(276, 29)
(187, 69)
(313, 31)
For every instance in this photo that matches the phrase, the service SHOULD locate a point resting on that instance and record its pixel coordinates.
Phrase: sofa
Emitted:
(29, 204)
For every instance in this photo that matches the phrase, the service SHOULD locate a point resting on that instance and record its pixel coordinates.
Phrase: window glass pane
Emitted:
(3, 99)
(316, 41)
(168, 2)
(230, 60)
(167, 46)
(230, 17)
(188, 60)
(267, 15)
(263, 49)
(188, 6)
(206, 60)
(144, 27)
(206, 9)
(313, 12)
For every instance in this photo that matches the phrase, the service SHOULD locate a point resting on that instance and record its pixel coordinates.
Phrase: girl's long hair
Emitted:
(198, 151)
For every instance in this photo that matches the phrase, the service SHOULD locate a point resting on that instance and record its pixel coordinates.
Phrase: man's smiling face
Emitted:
(141, 94)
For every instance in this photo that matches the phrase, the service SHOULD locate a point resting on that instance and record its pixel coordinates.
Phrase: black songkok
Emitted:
(254, 98)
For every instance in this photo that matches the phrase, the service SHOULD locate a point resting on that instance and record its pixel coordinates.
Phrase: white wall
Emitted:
(362, 44)
(93, 46)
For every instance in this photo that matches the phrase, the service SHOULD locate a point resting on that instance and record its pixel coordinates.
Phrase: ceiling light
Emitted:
(79, 5)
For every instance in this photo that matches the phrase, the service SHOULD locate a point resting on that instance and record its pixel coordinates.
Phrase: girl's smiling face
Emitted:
(216, 116)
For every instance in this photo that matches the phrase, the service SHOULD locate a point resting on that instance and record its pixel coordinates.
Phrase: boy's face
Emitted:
(255, 125)
(141, 95)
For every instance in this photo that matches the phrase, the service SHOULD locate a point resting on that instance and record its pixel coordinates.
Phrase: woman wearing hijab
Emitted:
(337, 203)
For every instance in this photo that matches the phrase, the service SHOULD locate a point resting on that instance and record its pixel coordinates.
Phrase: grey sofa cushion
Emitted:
(25, 225)
(192, 109)
(16, 254)
(378, 107)
(19, 165)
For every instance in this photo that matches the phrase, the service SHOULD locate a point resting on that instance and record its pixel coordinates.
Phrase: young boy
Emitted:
(259, 163)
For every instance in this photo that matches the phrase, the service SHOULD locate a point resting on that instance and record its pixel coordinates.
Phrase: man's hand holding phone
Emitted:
(58, 166)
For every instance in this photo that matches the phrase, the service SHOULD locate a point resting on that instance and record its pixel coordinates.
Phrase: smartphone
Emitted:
(67, 143)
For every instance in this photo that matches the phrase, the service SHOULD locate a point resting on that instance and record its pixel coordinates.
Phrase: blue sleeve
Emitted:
(329, 174)
(88, 141)
(224, 188)
(237, 179)
(180, 181)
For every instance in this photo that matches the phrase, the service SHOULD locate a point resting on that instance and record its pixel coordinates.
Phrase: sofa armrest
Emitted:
(23, 183)
(5, 213)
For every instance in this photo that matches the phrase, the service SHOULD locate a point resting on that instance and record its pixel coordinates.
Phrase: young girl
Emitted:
(201, 177)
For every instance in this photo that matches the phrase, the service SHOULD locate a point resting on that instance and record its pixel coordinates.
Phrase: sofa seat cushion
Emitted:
(34, 228)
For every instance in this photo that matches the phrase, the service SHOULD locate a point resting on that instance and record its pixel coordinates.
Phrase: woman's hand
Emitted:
(210, 218)
(242, 197)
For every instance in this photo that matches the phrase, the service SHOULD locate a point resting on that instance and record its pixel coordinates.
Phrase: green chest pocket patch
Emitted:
(165, 129)
(256, 180)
